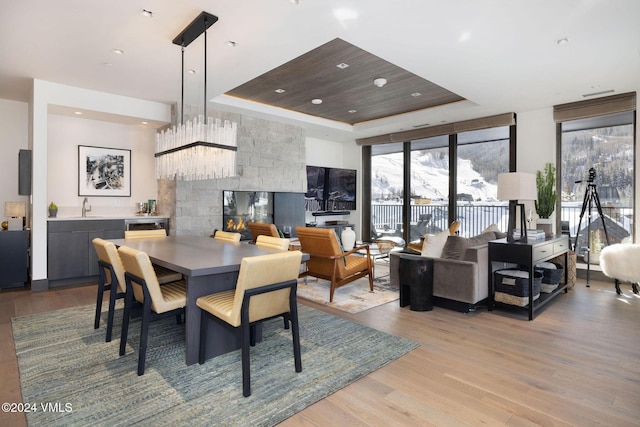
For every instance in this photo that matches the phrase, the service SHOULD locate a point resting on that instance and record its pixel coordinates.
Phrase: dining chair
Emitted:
(165, 275)
(262, 229)
(266, 288)
(157, 301)
(327, 260)
(111, 279)
(273, 242)
(227, 236)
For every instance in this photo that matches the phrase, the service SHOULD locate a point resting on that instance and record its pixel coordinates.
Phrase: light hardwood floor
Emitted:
(577, 363)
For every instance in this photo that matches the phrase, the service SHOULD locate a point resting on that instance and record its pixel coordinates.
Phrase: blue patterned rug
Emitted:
(64, 363)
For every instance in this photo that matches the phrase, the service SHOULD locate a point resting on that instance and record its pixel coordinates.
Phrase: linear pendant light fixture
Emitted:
(198, 149)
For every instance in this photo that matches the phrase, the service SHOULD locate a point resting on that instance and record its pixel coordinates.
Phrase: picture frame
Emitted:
(104, 172)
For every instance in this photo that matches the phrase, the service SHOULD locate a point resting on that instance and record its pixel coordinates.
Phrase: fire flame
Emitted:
(232, 226)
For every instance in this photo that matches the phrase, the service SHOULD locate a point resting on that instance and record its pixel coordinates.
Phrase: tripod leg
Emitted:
(584, 207)
(604, 226)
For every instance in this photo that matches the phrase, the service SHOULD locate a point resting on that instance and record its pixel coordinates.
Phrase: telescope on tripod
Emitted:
(590, 197)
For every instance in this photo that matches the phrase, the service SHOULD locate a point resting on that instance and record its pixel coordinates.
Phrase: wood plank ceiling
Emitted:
(348, 94)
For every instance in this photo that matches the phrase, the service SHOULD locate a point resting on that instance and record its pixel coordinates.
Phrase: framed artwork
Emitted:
(104, 171)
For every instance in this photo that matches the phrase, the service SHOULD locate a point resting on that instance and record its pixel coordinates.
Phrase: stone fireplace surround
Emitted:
(271, 157)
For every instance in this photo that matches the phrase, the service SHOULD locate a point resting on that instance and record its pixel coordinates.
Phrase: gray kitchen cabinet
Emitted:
(71, 256)
(14, 250)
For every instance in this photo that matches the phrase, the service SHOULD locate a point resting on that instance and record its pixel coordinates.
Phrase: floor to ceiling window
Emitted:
(597, 179)
(482, 155)
(387, 189)
(412, 182)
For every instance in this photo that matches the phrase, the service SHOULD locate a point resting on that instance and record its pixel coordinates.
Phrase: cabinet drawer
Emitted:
(561, 246)
(542, 251)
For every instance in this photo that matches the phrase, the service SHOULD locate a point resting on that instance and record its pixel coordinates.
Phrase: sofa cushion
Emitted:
(456, 246)
(433, 244)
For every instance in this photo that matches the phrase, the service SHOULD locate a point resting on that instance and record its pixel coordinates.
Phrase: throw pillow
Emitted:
(456, 246)
(495, 229)
(434, 243)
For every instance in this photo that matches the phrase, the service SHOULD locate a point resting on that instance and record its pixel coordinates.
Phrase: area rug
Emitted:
(66, 367)
(353, 297)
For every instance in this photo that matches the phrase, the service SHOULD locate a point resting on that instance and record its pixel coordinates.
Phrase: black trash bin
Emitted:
(416, 283)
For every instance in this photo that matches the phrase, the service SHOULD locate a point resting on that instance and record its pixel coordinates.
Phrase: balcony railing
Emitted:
(474, 218)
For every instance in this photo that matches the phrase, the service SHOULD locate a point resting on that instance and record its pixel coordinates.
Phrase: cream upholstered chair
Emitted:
(266, 288)
(273, 242)
(262, 229)
(328, 262)
(111, 279)
(156, 300)
(143, 234)
(164, 274)
(227, 236)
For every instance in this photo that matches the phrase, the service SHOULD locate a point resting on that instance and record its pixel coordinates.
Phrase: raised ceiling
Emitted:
(342, 76)
(499, 56)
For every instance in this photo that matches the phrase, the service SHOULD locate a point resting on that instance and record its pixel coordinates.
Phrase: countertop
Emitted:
(99, 217)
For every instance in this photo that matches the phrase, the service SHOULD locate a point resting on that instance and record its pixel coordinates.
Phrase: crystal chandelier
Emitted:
(198, 149)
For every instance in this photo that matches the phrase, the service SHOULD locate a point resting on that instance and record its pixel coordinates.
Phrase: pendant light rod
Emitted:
(198, 26)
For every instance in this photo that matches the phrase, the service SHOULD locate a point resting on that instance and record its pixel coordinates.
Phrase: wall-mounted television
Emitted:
(330, 189)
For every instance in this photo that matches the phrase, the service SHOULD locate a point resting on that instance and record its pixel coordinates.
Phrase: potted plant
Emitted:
(53, 210)
(547, 196)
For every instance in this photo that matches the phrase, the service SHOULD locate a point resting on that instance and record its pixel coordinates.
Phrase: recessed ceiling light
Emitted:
(342, 65)
(380, 81)
(316, 101)
(145, 123)
(562, 40)
(415, 94)
(79, 113)
(353, 111)
(280, 91)
(146, 13)
(191, 71)
(231, 43)
(118, 51)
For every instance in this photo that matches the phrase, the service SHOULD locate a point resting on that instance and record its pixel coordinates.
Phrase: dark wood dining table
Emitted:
(208, 265)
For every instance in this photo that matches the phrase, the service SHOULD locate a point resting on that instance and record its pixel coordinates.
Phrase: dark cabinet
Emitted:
(14, 258)
(70, 246)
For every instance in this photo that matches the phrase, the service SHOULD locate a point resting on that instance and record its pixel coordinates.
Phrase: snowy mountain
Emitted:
(429, 178)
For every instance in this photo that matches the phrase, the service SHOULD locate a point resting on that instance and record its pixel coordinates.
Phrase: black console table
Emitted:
(527, 255)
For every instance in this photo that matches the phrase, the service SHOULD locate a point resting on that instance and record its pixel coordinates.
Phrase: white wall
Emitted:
(65, 133)
(43, 95)
(14, 119)
(338, 155)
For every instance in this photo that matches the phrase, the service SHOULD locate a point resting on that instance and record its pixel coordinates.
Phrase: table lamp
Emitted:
(15, 211)
(515, 186)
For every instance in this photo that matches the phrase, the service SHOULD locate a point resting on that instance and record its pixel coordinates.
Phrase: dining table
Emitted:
(208, 265)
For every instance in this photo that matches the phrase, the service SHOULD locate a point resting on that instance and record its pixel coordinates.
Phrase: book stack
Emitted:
(531, 234)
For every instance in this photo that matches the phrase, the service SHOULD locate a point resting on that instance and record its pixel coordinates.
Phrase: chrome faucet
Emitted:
(84, 208)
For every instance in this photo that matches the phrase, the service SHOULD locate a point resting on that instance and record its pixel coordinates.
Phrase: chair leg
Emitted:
(128, 302)
(634, 286)
(246, 365)
(144, 336)
(618, 291)
(295, 332)
(204, 321)
(112, 308)
(101, 289)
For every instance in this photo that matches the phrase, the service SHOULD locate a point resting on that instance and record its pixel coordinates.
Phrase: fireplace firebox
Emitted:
(242, 207)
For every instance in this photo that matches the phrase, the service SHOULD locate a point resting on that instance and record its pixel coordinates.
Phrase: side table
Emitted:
(416, 283)
(526, 255)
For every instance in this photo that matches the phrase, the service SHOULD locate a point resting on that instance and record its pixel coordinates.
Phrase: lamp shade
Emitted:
(517, 186)
(15, 209)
